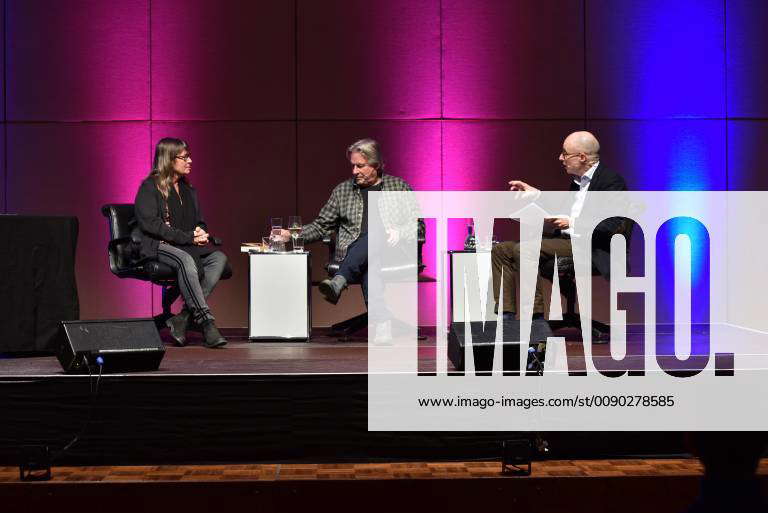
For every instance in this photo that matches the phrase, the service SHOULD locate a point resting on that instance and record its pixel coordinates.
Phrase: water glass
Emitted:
(276, 223)
(298, 244)
(276, 245)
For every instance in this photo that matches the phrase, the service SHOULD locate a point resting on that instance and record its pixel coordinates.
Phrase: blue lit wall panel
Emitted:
(647, 60)
(747, 58)
(674, 155)
(746, 155)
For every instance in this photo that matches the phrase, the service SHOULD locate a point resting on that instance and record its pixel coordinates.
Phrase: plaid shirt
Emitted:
(344, 213)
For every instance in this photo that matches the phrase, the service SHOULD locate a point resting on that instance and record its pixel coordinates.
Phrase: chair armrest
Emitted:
(330, 241)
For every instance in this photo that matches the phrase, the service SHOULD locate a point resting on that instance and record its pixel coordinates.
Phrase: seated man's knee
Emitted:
(509, 249)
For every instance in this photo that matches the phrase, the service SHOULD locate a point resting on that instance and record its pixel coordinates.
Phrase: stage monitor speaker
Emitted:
(484, 344)
(125, 345)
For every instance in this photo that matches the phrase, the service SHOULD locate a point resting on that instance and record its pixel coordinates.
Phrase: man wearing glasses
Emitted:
(580, 157)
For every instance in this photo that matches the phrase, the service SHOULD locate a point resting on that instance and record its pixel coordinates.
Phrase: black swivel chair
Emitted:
(348, 327)
(567, 274)
(123, 264)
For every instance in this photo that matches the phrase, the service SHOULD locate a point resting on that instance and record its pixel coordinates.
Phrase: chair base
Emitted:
(345, 329)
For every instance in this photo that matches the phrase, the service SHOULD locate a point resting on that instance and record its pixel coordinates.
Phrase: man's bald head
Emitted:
(580, 152)
(582, 142)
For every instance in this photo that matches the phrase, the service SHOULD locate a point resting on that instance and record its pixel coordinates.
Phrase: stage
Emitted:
(250, 402)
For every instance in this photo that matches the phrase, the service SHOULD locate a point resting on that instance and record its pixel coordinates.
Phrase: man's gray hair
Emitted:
(369, 149)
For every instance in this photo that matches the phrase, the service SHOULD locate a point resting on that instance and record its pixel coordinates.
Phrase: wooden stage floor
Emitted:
(322, 354)
(597, 486)
(357, 471)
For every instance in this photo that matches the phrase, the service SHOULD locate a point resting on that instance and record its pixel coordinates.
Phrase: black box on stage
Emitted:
(124, 345)
(484, 343)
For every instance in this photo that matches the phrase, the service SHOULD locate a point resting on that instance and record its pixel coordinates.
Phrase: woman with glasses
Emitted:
(172, 231)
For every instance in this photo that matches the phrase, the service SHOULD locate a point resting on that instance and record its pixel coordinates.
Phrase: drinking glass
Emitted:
(276, 223)
(276, 246)
(266, 244)
(298, 244)
(294, 225)
(276, 242)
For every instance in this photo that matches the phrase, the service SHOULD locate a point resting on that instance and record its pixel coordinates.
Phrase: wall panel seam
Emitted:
(725, 87)
(5, 106)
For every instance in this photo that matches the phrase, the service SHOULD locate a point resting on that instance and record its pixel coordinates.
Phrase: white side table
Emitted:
(461, 261)
(279, 306)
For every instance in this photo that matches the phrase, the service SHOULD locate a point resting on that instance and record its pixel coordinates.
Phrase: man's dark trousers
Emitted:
(355, 265)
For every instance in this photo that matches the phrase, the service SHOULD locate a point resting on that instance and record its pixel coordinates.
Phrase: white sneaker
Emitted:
(383, 334)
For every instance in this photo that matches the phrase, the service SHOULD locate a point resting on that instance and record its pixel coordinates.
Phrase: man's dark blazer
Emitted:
(604, 180)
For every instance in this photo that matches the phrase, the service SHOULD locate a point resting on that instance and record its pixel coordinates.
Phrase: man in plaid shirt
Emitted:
(347, 213)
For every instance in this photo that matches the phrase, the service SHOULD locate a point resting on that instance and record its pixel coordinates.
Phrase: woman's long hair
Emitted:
(162, 167)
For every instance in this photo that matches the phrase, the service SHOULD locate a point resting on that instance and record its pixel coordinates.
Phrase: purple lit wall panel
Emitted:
(513, 59)
(684, 154)
(77, 60)
(2, 168)
(224, 60)
(369, 60)
(74, 169)
(485, 155)
(747, 58)
(411, 151)
(746, 155)
(2, 52)
(244, 173)
(427, 302)
(645, 60)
